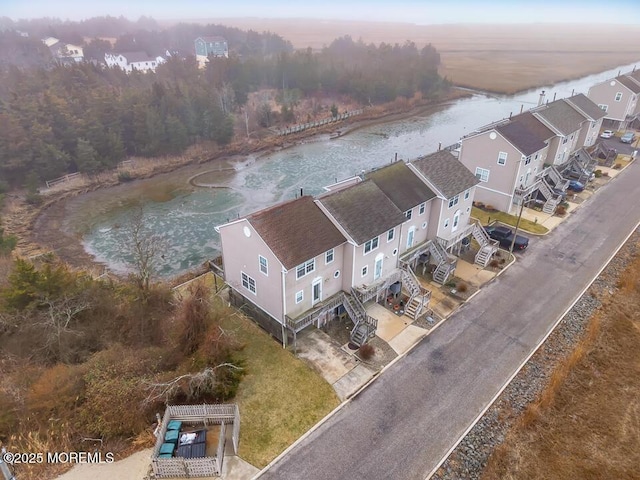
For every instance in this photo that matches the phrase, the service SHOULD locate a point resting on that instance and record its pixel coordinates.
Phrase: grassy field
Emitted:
(498, 58)
(280, 398)
(526, 225)
(586, 424)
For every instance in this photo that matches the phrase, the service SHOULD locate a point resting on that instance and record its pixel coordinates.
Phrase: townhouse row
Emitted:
(309, 260)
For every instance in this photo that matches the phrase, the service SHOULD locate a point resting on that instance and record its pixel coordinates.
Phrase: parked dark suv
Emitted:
(504, 235)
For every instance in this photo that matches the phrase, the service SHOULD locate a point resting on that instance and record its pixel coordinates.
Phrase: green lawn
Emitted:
(280, 398)
(526, 225)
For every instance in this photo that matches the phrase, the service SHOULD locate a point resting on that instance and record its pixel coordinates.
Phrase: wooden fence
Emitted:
(59, 180)
(300, 127)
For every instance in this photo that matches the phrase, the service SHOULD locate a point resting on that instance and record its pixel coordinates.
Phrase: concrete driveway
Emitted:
(405, 422)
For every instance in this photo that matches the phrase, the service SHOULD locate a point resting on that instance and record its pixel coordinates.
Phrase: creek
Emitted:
(184, 206)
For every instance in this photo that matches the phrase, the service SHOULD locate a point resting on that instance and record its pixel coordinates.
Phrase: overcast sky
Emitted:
(414, 11)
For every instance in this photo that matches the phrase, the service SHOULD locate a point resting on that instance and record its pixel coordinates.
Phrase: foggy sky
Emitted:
(413, 11)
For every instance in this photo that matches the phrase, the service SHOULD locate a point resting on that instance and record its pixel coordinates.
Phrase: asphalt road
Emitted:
(402, 425)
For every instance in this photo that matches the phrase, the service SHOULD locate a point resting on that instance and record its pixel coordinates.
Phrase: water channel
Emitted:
(185, 215)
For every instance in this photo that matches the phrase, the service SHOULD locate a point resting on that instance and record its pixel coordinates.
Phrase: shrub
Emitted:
(479, 205)
(598, 173)
(125, 176)
(366, 351)
(462, 287)
(617, 166)
(561, 210)
(494, 263)
(490, 208)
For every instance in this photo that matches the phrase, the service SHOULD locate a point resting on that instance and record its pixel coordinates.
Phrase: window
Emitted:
(454, 201)
(248, 282)
(408, 214)
(604, 107)
(371, 245)
(466, 195)
(527, 160)
(564, 140)
(446, 223)
(365, 270)
(264, 267)
(423, 207)
(328, 257)
(336, 274)
(391, 234)
(305, 268)
(482, 174)
(618, 96)
(299, 296)
(502, 158)
(395, 252)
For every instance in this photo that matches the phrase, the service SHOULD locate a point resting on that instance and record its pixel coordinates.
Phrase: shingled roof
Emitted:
(401, 185)
(562, 116)
(446, 173)
(136, 57)
(586, 106)
(363, 210)
(521, 137)
(635, 75)
(296, 231)
(629, 83)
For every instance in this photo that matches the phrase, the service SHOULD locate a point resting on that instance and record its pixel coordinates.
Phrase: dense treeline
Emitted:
(85, 117)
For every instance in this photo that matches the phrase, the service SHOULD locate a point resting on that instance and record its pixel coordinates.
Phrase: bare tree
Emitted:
(192, 385)
(144, 246)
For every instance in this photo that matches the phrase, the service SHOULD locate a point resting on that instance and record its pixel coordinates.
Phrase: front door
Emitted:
(456, 221)
(377, 269)
(316, 291)
(410, 235)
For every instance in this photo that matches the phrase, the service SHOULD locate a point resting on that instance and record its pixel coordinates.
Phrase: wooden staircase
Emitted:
(418, 296)
(444, 264)
(487, 246)
(552, 200)
(364, 325)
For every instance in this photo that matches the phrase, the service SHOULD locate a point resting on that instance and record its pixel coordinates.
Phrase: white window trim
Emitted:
(604, 107)
(466, 194)
(446, 223)
(453, 201)
(502, 156)
(371, 247)
(422, 208)
(266, 265)
(326, 256)
(305, 267)
(618, 97)
(482, 174)
(364, 271)
(301, 296)
(408, 214)
(393, 235)
(248, 283)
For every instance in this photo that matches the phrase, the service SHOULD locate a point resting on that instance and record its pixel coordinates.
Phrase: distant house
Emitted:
(618, 98)
(307, 261)
(210, 46)
(525, 156)
(130, 61)
(64, 52)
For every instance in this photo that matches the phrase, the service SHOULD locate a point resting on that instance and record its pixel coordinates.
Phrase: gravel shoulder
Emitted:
(470, 457)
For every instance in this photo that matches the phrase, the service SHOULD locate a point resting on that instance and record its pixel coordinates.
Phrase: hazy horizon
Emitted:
(410, 11)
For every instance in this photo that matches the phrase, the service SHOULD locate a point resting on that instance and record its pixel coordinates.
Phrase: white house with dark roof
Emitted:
(618, 98)
(130, 61)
